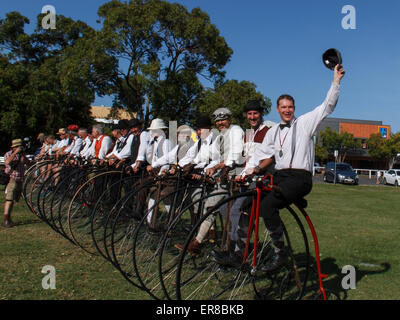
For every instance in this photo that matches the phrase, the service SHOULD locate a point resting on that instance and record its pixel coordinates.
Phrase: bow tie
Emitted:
(283, 125)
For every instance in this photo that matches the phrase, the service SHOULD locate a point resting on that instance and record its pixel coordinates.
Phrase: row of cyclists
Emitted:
(285, 149)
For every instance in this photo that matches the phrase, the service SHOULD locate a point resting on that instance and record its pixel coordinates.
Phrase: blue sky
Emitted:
(278, 46)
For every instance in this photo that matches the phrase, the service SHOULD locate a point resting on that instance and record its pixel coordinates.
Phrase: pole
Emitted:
(335, 154)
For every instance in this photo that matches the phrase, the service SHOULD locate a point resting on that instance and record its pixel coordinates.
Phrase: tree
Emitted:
(163, 50)
(343, 142)
(321, 154)
(49, 78)
(233, 95)
(384, 149)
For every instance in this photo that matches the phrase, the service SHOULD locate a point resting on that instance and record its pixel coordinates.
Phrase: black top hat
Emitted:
(203, 121)
(123, 124)
(331, 58)
(254, 105)
(134, 123)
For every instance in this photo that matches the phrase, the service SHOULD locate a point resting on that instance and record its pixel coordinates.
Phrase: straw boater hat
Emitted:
(16, 143)
(157, 124)
(62, 131)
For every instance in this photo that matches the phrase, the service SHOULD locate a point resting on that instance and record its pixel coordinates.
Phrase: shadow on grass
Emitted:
(28, 222)
(335, 276)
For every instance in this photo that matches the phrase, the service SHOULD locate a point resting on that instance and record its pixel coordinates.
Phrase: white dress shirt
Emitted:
(61, 144)
(203, 157)
(106, 145)
(156, 149)
(305, 125)
(75, 147)
(172, 157)
(125, 152)
(232, 148)
(114, 151)
(86, 148)
(145, 138)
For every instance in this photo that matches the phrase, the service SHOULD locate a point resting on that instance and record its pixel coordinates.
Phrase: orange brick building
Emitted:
(362, 130)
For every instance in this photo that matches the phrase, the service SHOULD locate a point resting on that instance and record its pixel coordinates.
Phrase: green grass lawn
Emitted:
(356, 226)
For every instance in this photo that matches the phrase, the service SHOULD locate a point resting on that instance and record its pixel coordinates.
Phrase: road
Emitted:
(363, 180)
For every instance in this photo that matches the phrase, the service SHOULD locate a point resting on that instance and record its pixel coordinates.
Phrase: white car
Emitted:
(392, 177)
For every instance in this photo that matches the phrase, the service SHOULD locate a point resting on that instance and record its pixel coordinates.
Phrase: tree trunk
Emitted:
(147, 115)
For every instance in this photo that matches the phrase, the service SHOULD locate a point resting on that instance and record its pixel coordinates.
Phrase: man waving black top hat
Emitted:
(292, 147)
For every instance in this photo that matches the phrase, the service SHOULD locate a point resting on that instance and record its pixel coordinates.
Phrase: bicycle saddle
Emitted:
(302, 203)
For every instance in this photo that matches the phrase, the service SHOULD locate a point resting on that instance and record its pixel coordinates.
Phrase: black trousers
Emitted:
(294, 184)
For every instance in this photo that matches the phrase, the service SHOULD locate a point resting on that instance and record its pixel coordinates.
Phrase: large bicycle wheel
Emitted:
(290, 281)
(187, 216)
(199, 277)
(148, 234)
(82, 204)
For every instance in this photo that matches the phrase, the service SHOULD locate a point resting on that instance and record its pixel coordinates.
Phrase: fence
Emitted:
(369, 172)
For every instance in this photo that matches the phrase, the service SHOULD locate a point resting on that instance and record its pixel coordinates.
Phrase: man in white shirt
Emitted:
(102, 144)
(87, 142)
(158, 146)
(141, 139)
(179, 151)
(199, 155)
(122, 149)
(117, 135)
(292, 146)
(227, 152)
(76, 145)
(63, 143)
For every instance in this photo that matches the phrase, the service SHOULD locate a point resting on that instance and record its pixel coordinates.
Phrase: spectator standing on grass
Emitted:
(378, 177)
(15, 161)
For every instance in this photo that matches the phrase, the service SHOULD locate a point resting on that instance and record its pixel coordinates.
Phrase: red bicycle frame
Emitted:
(255, 210)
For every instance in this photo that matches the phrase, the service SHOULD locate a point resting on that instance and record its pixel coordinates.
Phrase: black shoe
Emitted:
(229, 260)
(278, 260)
(218, 254)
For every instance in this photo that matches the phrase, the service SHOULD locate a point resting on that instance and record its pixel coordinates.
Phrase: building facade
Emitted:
(361, 130)
(107, 116)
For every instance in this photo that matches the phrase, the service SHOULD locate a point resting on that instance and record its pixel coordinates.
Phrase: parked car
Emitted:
(392, 177)
(344, 173)
(317, 167)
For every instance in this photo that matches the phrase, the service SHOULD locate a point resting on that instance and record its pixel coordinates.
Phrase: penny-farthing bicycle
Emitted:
(199, 276)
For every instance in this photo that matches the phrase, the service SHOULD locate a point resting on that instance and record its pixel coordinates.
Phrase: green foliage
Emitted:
(387, 149)
(49, 78)
(321, 154)
(343, 142)
(233, 95)
(163, 50)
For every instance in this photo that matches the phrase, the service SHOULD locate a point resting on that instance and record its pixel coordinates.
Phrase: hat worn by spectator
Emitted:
(134, 123)
(203, 122)
(157, 124)
(254, 105)
(221, 114)
(16, 143)
(62, 131)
